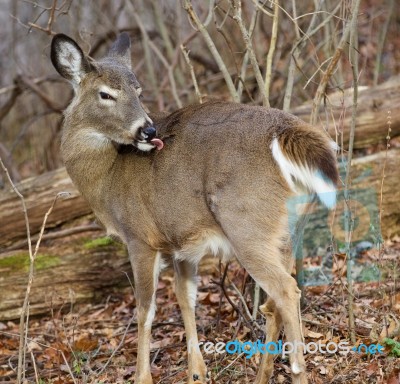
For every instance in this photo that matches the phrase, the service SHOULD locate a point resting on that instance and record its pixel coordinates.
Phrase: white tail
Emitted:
(312, 180)
(211, 178)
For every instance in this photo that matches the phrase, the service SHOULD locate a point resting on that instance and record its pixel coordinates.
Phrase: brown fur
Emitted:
(306, 145)
(214, 187)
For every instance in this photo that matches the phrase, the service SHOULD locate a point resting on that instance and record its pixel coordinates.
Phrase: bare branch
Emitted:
(22, 339)
(348, 215)
(192, 74)
(245, 61)
(170, 73)
(147, 53)
(187, 5)
(330, 69)
(10, 102)
(295, 54)
(237, 7)
(23, 80)
(381, 42)
(270, 55)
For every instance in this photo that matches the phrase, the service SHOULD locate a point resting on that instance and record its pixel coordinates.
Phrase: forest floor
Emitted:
(97, 343)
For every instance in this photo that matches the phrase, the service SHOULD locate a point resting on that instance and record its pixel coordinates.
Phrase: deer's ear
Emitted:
(68, 58)
(121, 50)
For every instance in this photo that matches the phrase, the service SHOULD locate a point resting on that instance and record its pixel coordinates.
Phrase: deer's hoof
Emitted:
(200, 379)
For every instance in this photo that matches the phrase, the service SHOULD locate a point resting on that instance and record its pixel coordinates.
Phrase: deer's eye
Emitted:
(106, 96)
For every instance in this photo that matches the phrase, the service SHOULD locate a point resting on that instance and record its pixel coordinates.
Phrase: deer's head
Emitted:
(106, 101)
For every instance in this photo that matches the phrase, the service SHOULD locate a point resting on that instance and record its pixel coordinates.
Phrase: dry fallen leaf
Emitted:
(313, 335)
(322, 370)
(280, 379)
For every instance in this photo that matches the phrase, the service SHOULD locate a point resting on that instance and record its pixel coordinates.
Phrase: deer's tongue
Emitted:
(158, 143)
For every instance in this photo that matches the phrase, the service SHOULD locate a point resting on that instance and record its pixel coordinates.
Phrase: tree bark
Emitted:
(372, 115)
(67, 271)
(75, 263)
(375, 207)
(39, 193)
(367, 174)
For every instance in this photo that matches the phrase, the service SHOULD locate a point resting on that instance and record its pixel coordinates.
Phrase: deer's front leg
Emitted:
(146, 266)
(186, 291)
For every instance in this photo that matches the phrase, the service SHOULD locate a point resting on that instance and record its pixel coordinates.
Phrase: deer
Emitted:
(211, 178)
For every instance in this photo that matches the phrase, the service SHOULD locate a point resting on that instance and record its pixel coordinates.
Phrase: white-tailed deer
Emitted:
(212, 178)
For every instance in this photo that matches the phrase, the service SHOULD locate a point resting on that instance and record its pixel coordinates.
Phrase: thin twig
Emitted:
(381, 42)
(8, 105)
(248, 318)
(389, 125)
(256, 301)
(35, 368)
(16, 85)
(51, 17)
(68, 367)
(192, 74)
(21, 349)
(35, 88)
(296, 50)
(348, 216)
(8, 163)
(237, 8)
(332, 65)
(160, 20)
(228, 366)
(59, 195)
(271, 51)
(187, 5)
(246, 308)
(292, 66)
(118, 346)
(245, 61)
(170, 73)
(146, 48)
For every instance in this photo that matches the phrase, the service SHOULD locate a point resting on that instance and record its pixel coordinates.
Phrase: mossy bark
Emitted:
(67, 271)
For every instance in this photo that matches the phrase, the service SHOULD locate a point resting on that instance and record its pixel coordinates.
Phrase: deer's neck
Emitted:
(89, 159)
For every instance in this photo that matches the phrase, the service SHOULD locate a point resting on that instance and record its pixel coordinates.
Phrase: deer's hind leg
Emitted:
(257, 245)
(273, 327)
(283, 291)
(273, 324)
(267, 270)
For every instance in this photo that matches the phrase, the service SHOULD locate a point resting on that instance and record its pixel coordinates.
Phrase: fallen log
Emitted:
(379, 173)
(374, 202)
(375, 106)
(71, 270)
(39, 193)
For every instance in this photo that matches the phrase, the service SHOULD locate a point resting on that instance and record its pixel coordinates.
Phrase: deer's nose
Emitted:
(149, 132)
